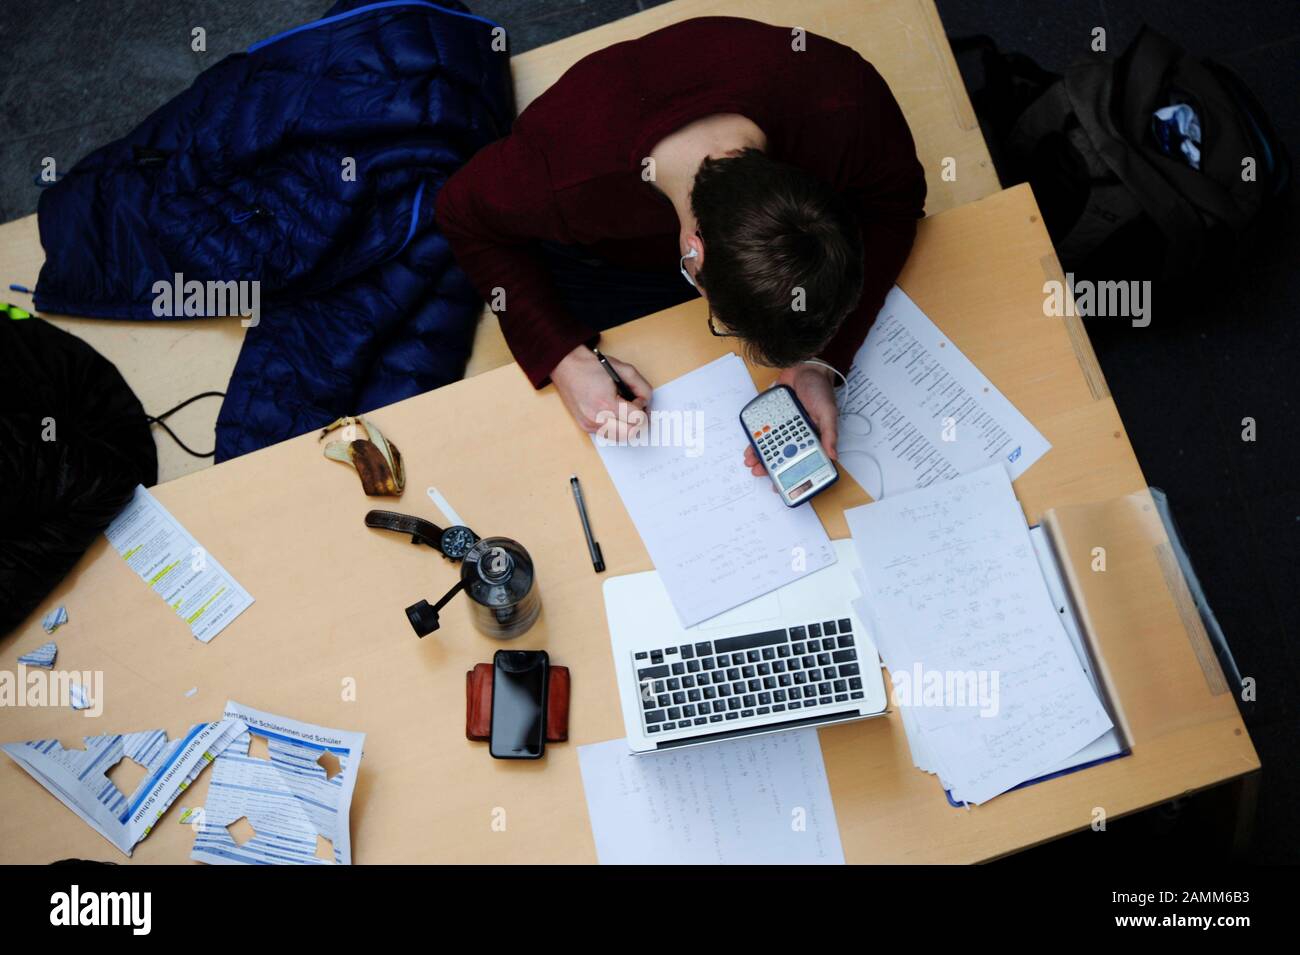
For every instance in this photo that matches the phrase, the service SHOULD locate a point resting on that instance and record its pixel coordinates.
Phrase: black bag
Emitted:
(1112, 200)
(74, 443)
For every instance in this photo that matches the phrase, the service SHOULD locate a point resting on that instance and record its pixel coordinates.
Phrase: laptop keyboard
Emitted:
(797, 669)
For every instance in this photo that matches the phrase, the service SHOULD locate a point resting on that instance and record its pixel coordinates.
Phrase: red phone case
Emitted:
(478, 704)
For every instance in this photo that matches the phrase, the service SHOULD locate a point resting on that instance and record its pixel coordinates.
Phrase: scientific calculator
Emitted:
(787, 443)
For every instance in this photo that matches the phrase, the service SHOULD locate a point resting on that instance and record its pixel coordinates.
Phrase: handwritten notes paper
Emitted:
(915, 410)
(990, 689)
(763, 800)
(717, 535)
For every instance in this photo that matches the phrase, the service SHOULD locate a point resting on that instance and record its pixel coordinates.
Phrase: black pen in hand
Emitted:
(620, 385)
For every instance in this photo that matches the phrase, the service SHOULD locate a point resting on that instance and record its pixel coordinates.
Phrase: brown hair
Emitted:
(771, 232)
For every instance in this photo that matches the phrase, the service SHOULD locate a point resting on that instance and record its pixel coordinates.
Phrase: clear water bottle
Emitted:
(498, 576)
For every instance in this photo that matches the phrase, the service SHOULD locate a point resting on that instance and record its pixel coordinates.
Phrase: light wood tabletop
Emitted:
(330, 595)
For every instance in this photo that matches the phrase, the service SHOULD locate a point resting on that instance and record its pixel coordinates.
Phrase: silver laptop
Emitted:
(793, 658)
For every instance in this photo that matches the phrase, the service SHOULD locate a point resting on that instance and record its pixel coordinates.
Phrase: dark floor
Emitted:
(79, 73)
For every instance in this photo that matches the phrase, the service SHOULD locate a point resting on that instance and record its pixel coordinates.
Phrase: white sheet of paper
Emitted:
(915, 740)
(717, 535)
(763, 800)
(915, 410)
(955, 587)
(179, 570)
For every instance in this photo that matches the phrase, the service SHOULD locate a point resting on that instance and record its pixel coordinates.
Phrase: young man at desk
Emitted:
(770, 169)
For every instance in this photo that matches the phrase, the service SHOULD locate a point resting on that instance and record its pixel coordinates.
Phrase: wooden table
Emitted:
(167, 362)
(288, 525)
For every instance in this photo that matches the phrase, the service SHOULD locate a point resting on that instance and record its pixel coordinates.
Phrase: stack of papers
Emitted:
(991, 692)
(717, 535)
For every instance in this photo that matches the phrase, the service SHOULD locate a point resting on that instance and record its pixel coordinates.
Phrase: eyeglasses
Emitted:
(723, 333)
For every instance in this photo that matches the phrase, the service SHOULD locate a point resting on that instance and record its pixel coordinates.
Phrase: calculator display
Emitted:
(793, 475)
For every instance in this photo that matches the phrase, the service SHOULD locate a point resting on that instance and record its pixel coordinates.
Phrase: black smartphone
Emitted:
(520, 680)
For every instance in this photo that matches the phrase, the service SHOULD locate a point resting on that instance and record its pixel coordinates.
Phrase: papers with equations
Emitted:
(717, 535)
(958, 600)
(741, 802)
(915, 410)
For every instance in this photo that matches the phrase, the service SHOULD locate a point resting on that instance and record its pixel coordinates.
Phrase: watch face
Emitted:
(456, 542)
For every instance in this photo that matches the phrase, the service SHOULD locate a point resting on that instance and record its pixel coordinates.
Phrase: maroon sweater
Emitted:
(570, 171)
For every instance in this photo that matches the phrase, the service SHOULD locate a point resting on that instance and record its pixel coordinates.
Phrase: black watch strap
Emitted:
(421, 531)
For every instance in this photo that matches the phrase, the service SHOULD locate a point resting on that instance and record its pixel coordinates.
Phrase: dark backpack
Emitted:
(74, 443)
(1112, 200)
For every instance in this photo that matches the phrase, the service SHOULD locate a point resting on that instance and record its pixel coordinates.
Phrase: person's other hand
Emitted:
(815, 386)
(589, 394)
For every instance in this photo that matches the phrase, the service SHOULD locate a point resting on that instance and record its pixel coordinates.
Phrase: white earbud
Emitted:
(693, 254)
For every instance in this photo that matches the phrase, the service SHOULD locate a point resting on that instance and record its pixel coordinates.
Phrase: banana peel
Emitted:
(376, 460)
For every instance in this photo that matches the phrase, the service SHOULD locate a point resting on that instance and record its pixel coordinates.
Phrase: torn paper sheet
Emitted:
(55, 619)
(42, 656)
(299, 796)
(78, 777)
(79, 697)
(176, 566)
(915, 410)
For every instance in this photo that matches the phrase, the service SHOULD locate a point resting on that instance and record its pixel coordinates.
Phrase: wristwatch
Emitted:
(453, 542)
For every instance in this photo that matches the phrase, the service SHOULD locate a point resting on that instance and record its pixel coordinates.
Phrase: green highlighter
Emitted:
(14, 312)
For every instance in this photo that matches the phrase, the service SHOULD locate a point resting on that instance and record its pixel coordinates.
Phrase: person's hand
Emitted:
(815, 386)
(589, 393)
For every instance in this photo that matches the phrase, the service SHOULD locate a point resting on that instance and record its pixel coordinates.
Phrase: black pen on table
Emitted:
(597, 561)
(620, 385)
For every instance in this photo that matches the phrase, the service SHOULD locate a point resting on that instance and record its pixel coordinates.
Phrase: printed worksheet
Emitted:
(176, 566)
(718, 535)
(957, 600)
(915, 410)
(76, 777)
(763, 800)
(297, 799)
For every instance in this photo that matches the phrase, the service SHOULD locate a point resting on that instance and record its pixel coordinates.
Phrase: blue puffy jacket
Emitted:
(244, 177)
